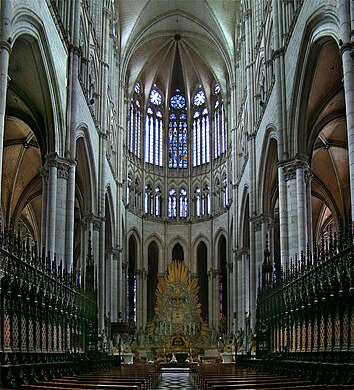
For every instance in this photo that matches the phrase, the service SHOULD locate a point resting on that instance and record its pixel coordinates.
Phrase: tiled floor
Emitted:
(175, 379)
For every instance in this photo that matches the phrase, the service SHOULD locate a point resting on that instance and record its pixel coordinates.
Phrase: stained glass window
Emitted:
(172, 203)
(202, 201)
(137, 88)
(225, 192)
(206, 199)
(148, 199)
(199, 98)
(129, 187)
(220, 129)
(183, 203)
(157, 202)
(134, 128)
(198, 201)
(177, 133)
(217, 89)
(153, 130)
(201, 131)
(155, 97)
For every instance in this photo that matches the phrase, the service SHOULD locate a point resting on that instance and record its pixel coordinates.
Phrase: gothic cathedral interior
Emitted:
(177, 183)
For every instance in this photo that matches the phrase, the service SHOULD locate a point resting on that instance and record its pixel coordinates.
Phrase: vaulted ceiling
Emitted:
(155, 33)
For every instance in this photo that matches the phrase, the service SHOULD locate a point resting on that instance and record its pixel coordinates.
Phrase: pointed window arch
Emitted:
(198, 201)
(129, 188)
(225, 192)
(172, 203)
(178, 132)
(154, 129)
(200, 130)
(134, 133)
(220, 128)
(183, 203)
(157, 201)
(148, 200)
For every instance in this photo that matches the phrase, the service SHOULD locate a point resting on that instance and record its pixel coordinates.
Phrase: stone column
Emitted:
(308, 202)
(84, 237)
(70, 216)
(114, 285)
(62, 181)
(251, 149)
(210, 299)
(108, 280)
(141, 299)
(44, 175)
(289, 170)
(346, 43)
(51, 168)
(99, 255)
(124, 289)
(230, 295)
(301, 167)
(120, 292)
(215, 275)
(235, 288)
(246, 270)
(281, 123)
(283, 216)
(5, 49)
(240, 288)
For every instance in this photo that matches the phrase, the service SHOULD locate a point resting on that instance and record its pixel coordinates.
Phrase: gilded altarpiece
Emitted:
(177, 325)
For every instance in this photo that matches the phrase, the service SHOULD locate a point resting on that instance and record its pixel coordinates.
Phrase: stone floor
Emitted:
(175, 378)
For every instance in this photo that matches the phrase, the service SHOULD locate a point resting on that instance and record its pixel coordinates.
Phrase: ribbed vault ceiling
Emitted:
(201, 32)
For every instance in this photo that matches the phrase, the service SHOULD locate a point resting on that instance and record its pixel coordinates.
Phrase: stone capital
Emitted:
(289, 170)
(95, 220)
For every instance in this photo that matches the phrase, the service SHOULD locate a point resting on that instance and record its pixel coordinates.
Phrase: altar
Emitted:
(177, 326)
(125, 358)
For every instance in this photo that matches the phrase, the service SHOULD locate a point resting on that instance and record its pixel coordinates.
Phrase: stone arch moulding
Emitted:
(316, 33)
(243, 212)
(220, 232)
(153, 238)
(83, 133)
(112, 213)
(201, 238)
(27, 24)
(178, 240)
(133, 232)
(271, 135)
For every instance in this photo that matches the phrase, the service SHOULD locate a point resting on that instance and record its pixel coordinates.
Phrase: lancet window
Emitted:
(157, 201)
(148, 200)
(220, 130)
(177, 132)
(172, 203)
(183, 203)
(135, 123)
(154, 129)
(201, 130)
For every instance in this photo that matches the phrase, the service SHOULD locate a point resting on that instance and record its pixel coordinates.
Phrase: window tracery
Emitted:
(135, 123)
(177, 132)
(201, 130)
(183, 203)
(220, 131)
(172, 203)
(154, 129)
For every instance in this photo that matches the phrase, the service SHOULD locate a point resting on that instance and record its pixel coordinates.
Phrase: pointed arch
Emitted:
(178, 240)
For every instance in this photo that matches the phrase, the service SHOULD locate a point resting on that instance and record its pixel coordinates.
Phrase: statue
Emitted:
(240, 335)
